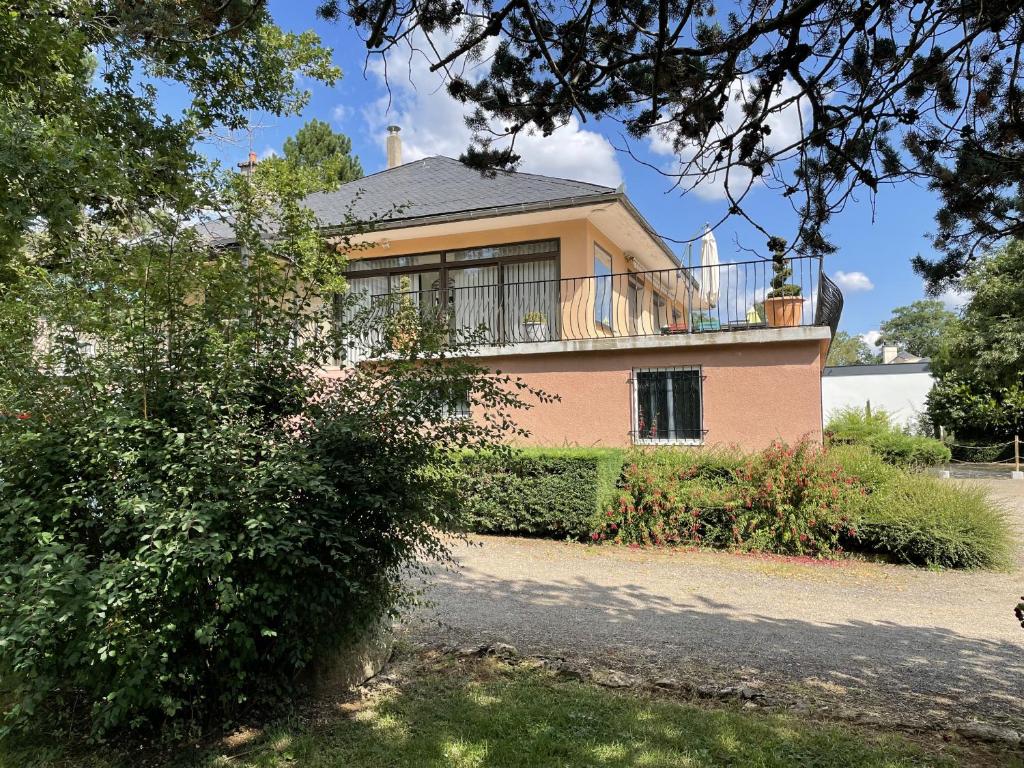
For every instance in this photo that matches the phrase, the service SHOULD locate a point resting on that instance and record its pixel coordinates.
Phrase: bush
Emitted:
(190, 516)
(904, 450)
(926, 521)
(863, 464)
(787, 500)
(854, 426)
(539, 491)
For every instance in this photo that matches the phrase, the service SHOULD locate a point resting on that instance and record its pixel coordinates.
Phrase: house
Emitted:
(579, 296)
(896, 387)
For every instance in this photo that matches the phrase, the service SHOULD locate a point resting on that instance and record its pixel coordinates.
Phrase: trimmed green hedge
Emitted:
(853, 426)
(539, 491)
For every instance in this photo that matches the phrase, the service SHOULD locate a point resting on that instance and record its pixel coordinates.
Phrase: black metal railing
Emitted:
(726, 297)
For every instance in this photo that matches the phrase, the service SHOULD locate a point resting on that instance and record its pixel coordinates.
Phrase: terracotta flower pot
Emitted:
(784, 311)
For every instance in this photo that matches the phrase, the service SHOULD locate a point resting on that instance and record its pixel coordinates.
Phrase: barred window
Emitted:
(667, 405)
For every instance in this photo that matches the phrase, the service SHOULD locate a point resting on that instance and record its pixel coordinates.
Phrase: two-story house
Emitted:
(580, 297)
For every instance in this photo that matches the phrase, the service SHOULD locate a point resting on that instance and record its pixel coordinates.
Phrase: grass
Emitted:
(486, 714)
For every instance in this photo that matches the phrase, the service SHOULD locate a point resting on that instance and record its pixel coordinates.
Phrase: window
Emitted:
(456, 409)
(667, 405)
(602, 287)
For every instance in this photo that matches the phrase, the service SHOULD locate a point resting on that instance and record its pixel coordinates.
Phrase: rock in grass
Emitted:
(996, 734)
(612, 678)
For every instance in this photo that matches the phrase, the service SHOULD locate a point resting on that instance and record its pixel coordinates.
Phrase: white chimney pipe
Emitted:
(394, 147)
(889, 353)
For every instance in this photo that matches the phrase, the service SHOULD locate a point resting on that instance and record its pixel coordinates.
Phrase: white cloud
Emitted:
(340, 113)
(433, 123)
(268, 151)
(786, 128)
(853, 282)
(871, 337)
(954, 300)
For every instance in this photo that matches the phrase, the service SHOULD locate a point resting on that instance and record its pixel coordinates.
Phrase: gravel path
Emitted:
(906, 643)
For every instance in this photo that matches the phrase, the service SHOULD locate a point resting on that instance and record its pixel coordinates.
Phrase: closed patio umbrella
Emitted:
(709, 267)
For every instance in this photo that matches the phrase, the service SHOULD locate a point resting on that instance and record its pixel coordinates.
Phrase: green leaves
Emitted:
(78, 126)
(191, 514)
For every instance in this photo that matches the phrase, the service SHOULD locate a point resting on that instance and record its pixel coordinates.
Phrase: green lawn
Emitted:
(486, 714)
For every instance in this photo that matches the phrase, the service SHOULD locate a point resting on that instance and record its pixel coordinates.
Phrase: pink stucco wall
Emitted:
(753, 393)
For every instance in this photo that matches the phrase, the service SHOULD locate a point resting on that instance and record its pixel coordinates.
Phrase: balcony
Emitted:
(696, 300)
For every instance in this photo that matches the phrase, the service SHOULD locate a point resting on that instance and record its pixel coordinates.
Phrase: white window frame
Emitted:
(601, 256)
(635, 397)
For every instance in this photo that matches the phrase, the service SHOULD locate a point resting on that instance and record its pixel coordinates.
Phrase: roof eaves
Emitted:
(485, 213)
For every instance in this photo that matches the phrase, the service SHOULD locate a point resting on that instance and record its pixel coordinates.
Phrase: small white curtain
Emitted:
(530, 286)
(474, 299)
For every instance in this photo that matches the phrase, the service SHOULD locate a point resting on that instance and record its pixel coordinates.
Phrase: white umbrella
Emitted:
(709, 267)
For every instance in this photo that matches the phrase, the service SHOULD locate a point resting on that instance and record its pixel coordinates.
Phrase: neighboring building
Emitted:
(898, 388)
(892, 354)
(581, 298)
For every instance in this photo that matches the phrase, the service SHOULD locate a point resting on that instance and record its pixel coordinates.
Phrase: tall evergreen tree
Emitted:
(317, 144)
(813, 99)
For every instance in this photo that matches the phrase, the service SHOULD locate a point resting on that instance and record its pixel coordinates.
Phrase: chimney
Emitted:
(889, 353)
(394, 147)
(248, 167)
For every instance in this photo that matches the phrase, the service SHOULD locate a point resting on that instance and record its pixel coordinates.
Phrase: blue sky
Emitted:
(875, 243)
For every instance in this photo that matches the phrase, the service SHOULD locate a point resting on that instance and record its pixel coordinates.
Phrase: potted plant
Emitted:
(535, 326)
(783, 306)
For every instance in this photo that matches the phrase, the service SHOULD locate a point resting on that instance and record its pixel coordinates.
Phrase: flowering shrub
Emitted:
(787, 500)
(795, 502)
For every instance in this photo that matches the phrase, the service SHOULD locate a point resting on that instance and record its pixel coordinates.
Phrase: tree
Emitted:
(192, 517)
(921, 328)
(317, 145)
(849, 350)
(979, 389)
(870, 94)
(987, 343)
(79, 129)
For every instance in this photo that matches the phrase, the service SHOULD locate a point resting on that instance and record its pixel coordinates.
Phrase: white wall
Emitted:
(898, 389)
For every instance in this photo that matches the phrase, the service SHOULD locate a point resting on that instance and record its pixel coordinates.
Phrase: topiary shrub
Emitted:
(538, 491)
(922, 520)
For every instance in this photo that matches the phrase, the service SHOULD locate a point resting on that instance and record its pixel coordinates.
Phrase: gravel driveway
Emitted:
(921, 646)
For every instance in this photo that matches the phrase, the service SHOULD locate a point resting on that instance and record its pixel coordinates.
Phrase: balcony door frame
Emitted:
(444, 266)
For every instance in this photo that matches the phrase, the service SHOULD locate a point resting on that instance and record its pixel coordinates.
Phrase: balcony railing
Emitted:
(726, 297)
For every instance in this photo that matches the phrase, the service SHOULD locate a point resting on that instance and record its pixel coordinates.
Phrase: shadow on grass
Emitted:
(493, 717)
(927, 673)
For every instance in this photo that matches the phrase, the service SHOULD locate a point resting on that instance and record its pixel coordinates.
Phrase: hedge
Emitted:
(853, 426)
(539, 491)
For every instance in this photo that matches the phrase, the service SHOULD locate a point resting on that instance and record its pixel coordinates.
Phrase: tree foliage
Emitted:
(979, 393)
(316, 145)
(881, 91)
(191, 514)
(79, 126)
(850, 350)
(921, 328)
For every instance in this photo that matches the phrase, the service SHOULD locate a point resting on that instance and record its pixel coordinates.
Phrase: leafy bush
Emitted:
(854, 426)
(785, 499)
(863, 464)
(190, 516)
(927, 521)
(909, 450)
(539, 491)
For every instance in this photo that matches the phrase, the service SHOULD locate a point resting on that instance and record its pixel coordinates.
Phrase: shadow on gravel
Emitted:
(932, 672)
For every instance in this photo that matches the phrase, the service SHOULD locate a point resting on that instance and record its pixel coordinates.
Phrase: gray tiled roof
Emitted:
(437, 186)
